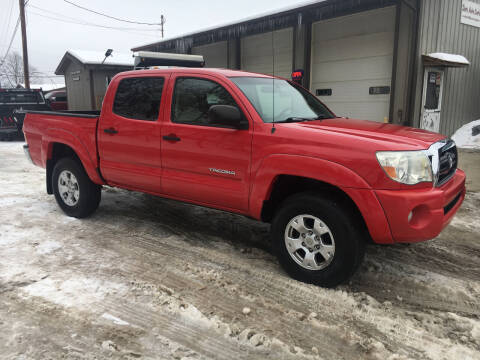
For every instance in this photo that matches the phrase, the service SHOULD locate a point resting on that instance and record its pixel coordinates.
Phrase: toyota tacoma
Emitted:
(259, 146)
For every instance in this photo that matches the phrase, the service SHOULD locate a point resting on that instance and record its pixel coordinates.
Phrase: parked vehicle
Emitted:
(12, 104)
(57, 100)
(259, 146)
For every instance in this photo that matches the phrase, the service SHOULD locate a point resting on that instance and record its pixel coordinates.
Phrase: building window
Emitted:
(193, 97)
(139, 98)
(433, 90)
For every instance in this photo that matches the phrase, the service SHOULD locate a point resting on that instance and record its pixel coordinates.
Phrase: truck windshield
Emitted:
(278, 100)
(21, 97)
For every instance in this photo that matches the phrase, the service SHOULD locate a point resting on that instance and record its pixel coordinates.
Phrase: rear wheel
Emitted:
(75, 193)
(317, 240)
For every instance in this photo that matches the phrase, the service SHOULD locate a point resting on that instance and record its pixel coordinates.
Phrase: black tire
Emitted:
(348, 235)
(89, 192)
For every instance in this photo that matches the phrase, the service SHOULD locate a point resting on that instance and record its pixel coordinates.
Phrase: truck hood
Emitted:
(389, 133)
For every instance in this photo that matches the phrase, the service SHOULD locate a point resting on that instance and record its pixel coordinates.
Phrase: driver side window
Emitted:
(193, 97)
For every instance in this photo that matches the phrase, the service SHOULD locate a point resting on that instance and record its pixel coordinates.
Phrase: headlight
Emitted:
(406, 167)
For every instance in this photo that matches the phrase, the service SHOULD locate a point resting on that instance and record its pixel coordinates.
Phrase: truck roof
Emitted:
(212, 71)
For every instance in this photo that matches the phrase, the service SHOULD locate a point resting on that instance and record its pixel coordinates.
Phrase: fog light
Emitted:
(410, 216)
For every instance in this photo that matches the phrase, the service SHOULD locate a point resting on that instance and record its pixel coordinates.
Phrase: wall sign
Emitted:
(76, 78)
(470, 13)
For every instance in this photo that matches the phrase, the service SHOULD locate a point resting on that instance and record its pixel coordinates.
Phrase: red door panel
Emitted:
(206, 164)
(130, 148)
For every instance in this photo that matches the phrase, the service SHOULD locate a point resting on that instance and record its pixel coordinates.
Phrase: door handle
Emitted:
(171, 137)
(110, 131)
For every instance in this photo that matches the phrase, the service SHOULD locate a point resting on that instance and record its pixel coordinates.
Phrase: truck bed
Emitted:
(76, 129)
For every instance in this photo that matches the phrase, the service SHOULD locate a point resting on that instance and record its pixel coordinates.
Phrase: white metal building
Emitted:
(383, 60)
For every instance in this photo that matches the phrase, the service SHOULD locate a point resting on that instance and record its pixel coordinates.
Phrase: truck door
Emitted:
(129, 133)
(432, 99)
(202, 162)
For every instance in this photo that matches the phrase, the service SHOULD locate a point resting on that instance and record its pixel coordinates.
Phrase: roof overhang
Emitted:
(306, 12)
(445, 60)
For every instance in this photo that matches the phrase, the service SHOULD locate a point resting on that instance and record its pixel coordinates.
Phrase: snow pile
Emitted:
(468, 136)
(459, 59)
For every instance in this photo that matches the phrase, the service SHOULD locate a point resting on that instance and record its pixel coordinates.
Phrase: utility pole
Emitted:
(162, 22)
(26, 74)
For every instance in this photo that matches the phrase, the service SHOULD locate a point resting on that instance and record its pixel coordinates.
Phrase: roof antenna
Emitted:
(273, 77)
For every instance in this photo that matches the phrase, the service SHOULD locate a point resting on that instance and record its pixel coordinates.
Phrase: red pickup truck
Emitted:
(259, 146)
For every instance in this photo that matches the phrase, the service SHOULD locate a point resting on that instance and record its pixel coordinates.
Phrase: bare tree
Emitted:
(11, 72)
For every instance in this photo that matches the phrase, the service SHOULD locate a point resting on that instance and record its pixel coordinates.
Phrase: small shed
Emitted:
(87, 75)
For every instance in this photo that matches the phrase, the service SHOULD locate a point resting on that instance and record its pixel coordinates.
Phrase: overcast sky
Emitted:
(51, 28)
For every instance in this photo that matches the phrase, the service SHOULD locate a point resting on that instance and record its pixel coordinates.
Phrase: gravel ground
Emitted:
(156, 279)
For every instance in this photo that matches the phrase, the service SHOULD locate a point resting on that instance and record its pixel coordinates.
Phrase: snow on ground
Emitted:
(151, 278)
(465, 138)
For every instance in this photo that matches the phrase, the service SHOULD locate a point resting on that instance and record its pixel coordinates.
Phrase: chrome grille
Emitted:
(448, 161)
(444, 158)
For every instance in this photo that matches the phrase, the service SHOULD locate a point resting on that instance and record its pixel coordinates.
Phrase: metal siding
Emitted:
(78, 92)
(100, 85)
(441, 31)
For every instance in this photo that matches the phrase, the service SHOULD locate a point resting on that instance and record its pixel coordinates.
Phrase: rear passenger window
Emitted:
(139, 98)
(193, 98)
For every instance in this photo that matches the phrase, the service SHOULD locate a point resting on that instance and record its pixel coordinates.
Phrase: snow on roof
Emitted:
(465, 138)
(96, 57)
(459, 59)
(249, 18)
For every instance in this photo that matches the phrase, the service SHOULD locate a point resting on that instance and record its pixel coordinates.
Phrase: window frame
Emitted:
(173, 101)
(164, 88)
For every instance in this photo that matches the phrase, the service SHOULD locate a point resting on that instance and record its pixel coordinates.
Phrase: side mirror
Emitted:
(228, 116)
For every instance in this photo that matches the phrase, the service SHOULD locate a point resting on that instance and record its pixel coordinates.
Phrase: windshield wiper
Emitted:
(301, 119)
(293, 119)
(324, 117)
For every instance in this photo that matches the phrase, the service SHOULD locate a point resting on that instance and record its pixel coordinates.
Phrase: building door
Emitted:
(215, 55)
(351, 63)
(257, 53)
(432, 99)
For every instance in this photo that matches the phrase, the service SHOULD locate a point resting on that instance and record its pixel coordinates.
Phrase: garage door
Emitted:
(215, 55)
(352, 60)
(257, 53)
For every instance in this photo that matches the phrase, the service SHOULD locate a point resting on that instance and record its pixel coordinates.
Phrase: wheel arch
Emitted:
(57, 149)
(282, 176)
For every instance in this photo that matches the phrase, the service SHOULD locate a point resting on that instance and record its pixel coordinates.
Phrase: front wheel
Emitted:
(317, 240)
(75, 193)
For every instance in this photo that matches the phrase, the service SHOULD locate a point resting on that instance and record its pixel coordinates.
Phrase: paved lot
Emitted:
(150, 278)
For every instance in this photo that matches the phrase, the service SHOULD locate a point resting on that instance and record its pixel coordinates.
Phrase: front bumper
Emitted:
(419, 215)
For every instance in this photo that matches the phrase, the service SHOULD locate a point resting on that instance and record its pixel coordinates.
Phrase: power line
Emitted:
(109, 16)
(33, 75)
(11, 42)
(82, 22)
(78, 22)
(7, 23)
